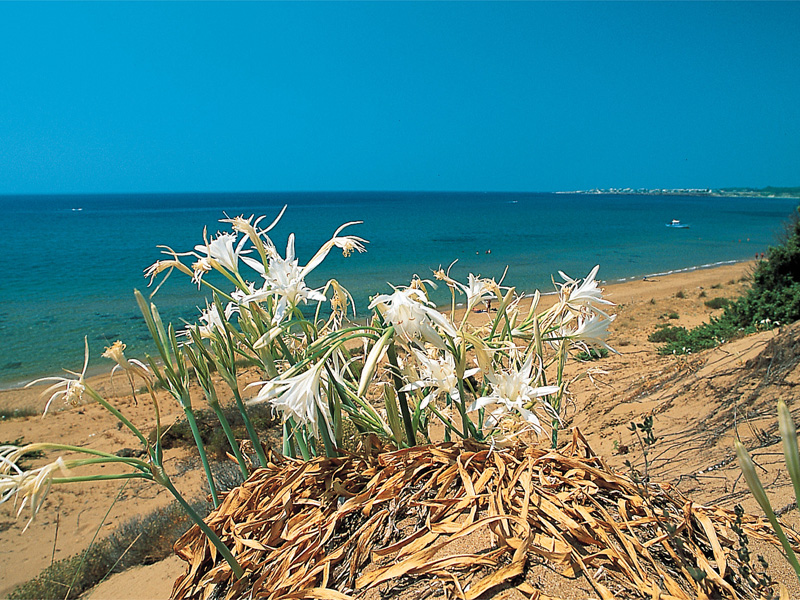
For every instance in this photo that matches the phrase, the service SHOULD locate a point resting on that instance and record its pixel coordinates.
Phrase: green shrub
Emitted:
(592, 354)
(680, 294)
(142, 540)
(673, 316)
(679, 340)
(717, 302)
(18, 413)
(211, 432)
(667, 333)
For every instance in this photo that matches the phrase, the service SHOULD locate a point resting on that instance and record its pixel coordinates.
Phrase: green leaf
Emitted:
(790, 451)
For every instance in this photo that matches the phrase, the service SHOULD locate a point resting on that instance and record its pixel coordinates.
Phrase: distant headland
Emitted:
(746, 192)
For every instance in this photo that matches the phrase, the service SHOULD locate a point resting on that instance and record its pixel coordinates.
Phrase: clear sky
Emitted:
(163, 97)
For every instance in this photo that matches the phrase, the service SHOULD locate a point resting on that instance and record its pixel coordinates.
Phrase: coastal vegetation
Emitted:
(772, 299)
(404, 371)
(399, 434)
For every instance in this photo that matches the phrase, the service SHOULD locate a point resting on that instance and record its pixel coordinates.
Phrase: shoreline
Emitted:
(609, 286)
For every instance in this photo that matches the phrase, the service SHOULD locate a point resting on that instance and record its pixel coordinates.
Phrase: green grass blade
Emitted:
(789, 437)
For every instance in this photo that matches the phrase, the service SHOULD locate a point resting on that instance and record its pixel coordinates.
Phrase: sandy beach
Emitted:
(690, 398)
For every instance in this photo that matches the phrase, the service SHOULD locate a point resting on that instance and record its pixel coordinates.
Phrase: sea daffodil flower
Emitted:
(512, 391)
(221, 249)
(439, 374)
(73, 388)
(413, 316)
(592, 331)
(585, 294)
(32, 485)
(299, 397)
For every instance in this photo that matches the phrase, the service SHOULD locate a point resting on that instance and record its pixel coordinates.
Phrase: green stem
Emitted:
(226, 427)
(288, 444)
(330, 448)
(299, 438)
(84, 478)
(251, 430)
(122, 418)
(212, 537)
(401, 396)
(446, 422)
(198, 440)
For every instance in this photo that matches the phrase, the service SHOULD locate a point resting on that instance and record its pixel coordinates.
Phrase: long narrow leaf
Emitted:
(789, 437)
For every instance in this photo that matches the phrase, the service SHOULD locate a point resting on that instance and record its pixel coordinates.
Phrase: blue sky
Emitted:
(167, 97)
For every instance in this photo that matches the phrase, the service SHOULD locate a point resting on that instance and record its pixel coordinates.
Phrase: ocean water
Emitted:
(71, 263)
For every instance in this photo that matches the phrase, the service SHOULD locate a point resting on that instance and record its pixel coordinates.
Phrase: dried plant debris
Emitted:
(346, 528)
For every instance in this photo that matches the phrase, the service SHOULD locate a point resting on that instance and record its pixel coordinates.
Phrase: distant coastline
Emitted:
(732, 192)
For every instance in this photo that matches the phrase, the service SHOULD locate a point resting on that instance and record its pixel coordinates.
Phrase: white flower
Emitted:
(348, 243)
(413, 317)
(586, 294)
(73, 388)
(200, 268)
(512, 391)
(299, 397)
(131, 366)
(243, 225)
(221, 250)
(285, 278)
(438, 374)
(478, 290)
(32, 485)
(592, 331)
(213, 321)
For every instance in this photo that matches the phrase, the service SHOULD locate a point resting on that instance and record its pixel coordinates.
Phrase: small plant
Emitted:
(592, 354)
(792, 456)
(680, 294)
(702, 294)
(645, 438)
(716, 303)
(653, 301)
(755, 576)
(18, 413)
(716, 286)
(666, 333)
(679, 340)
(140, 541)
(673, 316)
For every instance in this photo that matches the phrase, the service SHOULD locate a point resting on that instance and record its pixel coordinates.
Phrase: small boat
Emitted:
(677, 224)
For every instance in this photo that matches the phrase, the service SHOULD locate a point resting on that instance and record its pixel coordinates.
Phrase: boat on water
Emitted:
(677, 224)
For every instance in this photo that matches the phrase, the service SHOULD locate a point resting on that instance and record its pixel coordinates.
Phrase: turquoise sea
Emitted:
(70, 263)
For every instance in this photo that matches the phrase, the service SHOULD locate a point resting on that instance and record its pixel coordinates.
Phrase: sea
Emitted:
(71, 262)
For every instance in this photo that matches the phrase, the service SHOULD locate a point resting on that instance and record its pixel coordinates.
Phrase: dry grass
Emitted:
(464, 520)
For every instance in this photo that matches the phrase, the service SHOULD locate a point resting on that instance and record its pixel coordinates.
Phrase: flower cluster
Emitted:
(408, 373)
(477, 381)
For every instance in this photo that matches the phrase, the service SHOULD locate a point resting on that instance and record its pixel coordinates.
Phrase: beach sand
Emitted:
(688, 396)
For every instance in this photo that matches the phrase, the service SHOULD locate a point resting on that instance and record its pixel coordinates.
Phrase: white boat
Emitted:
(677, 224)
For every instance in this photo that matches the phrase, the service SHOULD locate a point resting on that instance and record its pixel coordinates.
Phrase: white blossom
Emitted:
(299, 397)
(413, 316)
(511, 391)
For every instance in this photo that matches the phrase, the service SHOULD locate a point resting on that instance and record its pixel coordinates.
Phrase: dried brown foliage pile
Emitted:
(340, 528)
